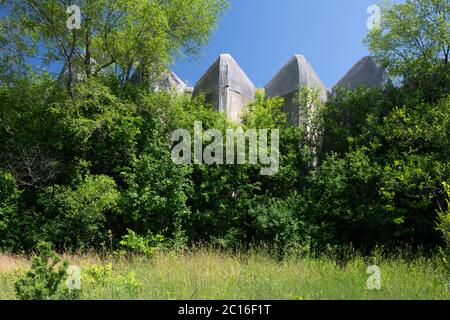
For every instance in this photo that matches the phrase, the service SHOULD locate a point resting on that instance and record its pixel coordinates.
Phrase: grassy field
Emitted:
(209, 274)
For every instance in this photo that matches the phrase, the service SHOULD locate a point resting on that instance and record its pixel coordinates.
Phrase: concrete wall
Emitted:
(168, 81)
(365, 72)
(294, 75)
(226, 86)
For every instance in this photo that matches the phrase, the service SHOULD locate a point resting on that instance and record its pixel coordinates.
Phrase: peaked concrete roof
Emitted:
(296, 73)
(225, 72)
(168, 81)
(365, 72)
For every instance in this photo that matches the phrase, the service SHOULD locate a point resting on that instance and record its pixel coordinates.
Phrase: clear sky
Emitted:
(262, 35)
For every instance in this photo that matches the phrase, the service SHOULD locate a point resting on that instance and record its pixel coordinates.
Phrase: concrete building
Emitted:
(226, 86)
(168, 81)
(365, 72)
(294, 75)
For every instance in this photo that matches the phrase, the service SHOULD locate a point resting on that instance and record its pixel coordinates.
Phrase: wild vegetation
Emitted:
(202, 274)
(86, 165)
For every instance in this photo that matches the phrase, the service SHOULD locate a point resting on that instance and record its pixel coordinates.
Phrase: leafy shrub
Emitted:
(100, 277)
(444, 227)
(147, 245)
(44, 281)
(380, 168)
(444, 217)
(157, 192)
(95, 274)
(98, 127)
(76, 217)
(9, 215)
(276, 223)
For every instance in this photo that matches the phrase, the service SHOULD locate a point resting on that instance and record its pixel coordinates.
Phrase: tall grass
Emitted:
(211, 274)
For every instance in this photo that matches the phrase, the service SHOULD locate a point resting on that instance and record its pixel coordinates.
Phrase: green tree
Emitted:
(381, 166)
(157, 192)
(350, 118)
(121, 33)
(97, 127)
(414, 36)
(26, 128)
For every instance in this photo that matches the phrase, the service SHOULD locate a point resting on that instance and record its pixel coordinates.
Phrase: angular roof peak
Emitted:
(226, 86)
(225, 56)
(365, 72)
(299, 56)
(297, 72)
(225, 72)
(167, 81)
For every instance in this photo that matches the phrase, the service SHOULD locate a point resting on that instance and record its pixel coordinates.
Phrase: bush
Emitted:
(44, 281)
(97, 127)
(99, 279)
(148, 245)
(444, 227)
(157, 192)
(76, 217)
(444, 217)
(380, 168)
(277, 224)
(9, 214)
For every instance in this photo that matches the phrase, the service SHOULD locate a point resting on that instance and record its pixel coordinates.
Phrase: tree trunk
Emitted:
(87, 61)
(70, 79)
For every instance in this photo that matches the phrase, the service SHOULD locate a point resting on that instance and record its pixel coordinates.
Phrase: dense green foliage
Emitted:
(91, 168)
(444, 227)
(413, 36)
(388, 170)
(114, 36)
(9, 212)
(81, 172)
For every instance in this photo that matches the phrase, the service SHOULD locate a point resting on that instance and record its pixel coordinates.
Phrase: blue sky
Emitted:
(263, 34)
